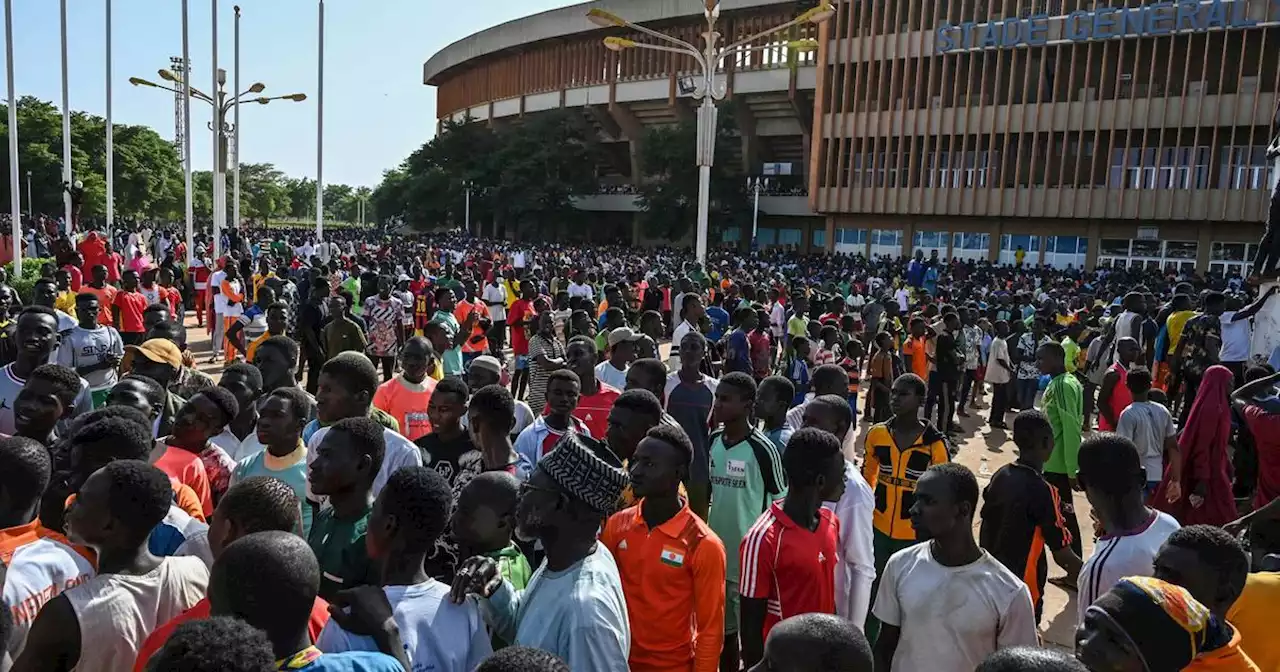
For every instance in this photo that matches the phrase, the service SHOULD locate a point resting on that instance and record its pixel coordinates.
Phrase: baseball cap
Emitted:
(623, 334)
(158, 350)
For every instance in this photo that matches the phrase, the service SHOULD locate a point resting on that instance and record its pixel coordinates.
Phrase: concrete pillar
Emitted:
(1095, 241)
(908, 234)
(993, 245)
(1204, 248)
(635, 229)
(830, 241)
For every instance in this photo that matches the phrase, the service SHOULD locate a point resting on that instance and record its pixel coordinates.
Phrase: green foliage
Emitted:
(668, 197)
(30, 273)
(524, 175)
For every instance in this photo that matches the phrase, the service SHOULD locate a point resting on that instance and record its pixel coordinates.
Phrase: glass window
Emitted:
(1114, 247)
(790, 236)
(930, 239)
(1227, 252)
(1179, 249)
(766, 237)
(851, 236)
(970, 246)
(886, 242)
(731, 234)
(819, 237)
(1146, 249)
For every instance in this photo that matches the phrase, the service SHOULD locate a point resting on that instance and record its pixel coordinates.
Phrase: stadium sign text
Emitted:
(1160, 18)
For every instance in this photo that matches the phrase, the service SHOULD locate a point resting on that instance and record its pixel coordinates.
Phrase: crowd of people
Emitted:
(453, 453)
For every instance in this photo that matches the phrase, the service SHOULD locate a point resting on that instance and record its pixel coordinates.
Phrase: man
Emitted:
(1031, 659)
(575, 606)
(473, 311)
(407, 520)
(448, 448)
(897, 453)
(520, 318)
(563, 390)
(816, 643)
(488, 420)
(1113, 479)
(105, 619)
(828, 379)
(270, 581)
(1198, 349)
(746, 474)
(595, 398)
(1063, 404)
(690, 396)
(486, 370)
(407, 396)
(160, 360)
(347, 385)
(38, 340)
(495, 297)
(341, 333)
(255, 504)
(41, 564)
(346, 461)
(788, 558)
(1000, 373)
(1114, 395)
(1149, 425)
(672, 565)
(283, 456)
(456, 334)
(612, 372)
(92, 350)
(632, 416)
(45, 293)
(1021, 514)
(311, 323)
(277, 359)
(991, 608)
(252, 326)
(203, 417)
(738, 346)
(106, 294)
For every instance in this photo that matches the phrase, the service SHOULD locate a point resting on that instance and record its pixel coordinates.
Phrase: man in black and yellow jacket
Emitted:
(897, 453)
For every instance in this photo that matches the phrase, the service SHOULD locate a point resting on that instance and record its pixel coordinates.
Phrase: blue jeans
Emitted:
(1026, 392)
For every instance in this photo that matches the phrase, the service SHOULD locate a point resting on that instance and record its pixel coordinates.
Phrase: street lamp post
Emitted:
(755, 184)
(708, 59)
(31, 212)
(466, 185)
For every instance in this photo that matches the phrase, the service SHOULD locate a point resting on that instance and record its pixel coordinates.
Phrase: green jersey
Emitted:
(746, 478)
(514, 567)
(339, 547)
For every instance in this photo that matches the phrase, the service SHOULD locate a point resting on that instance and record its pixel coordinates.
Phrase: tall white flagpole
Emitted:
(15, 193)
(66, 126)
(186, 136)
(235, 137)
(111, 149)
(320, 140)
(219, 185)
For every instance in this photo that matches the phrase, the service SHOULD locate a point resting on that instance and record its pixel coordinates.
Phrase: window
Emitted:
(766, 237)
(790, 236)
(1181, 250)
(1063, 251)
(973, 246)
(1246, 168)
(820, 238)
(886, 242)
(851, 241)
(1227, 252)
(1010, 244)
(930, 242)
(1159, 168)
(731, 234)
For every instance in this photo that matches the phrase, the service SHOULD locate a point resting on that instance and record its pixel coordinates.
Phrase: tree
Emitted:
(262, 192)
(668, 197)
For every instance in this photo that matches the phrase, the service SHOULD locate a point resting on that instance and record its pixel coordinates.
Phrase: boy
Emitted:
(202, 418)
(281, 417)
(773, 400)
(690, 395)
(347, 460)
(746, 474)
(94, 351)
(407, 520)
(798, 369)
(1021, 514)
(127, 309)
(490, 413)
(484, 521)
(1149, 425)
(407, 396)
(46, 399)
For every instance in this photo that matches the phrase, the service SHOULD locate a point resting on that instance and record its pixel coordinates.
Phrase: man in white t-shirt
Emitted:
(1114, 480)
(946, 604)
(1237, 333)
(579, 287)
(495, 297)
(1149, 425)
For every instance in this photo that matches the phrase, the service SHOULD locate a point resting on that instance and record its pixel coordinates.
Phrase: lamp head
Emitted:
(138, 81)
(258, 87)
(296, 97)
(168, 76)
(78, 184)
(222, 76)
(605, 19)
(819, 14)
(262, 100)
(618, 43)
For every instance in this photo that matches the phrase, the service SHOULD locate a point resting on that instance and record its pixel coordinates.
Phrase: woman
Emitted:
(546, 354)
(1206, 467)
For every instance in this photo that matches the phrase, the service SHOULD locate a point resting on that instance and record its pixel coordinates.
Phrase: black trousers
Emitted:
(498, 338)
(966, 387)
(1068, 509)
(999, 401)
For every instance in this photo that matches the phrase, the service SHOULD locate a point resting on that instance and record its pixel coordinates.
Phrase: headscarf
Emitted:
(1167, 626)
(1203, 444)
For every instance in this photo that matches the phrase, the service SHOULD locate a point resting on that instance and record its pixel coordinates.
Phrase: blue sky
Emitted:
(377, 110)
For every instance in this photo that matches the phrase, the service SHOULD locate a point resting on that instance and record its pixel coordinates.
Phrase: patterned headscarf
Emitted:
(1167, 626)
(584, 475)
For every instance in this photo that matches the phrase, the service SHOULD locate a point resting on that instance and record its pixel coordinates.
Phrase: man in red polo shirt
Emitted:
(788, 557)
(596, 399)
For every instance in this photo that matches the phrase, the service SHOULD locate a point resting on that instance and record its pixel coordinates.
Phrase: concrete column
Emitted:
(993, 245)
(635, 230)
(908, 233)
(1204, 247)
(1095, 241)
(830, 246)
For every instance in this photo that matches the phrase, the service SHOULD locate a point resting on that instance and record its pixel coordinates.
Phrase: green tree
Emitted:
(262, 192)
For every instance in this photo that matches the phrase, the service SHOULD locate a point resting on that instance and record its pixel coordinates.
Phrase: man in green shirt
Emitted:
(1064, 405)
(346, 462)
(342, 334)
(1071, 347)
(456, 334)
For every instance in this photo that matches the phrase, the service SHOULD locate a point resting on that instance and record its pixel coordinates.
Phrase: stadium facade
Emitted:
(1080, 132)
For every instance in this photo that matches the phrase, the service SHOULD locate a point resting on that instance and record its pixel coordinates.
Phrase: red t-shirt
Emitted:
(593, 410)
(200, 611)
(554, 435)
(789, 566)
(520, 310)
(1265, 428)
(131, 305)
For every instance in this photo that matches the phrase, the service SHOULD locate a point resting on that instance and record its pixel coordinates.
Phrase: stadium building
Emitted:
(1082, 133)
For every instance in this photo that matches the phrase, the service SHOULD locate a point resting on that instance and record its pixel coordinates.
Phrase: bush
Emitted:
(30, 273)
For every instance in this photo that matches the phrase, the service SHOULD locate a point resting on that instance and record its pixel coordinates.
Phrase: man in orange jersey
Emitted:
(672, 565)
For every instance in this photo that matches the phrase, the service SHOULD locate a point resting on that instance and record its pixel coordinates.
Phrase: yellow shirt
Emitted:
(66, 302)
(1255, 615)
(1175, 324)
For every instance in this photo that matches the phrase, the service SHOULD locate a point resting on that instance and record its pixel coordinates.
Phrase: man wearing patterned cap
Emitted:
(573, 606)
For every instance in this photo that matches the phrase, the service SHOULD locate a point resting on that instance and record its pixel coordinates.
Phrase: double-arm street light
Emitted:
(222, 104)
(708, 58)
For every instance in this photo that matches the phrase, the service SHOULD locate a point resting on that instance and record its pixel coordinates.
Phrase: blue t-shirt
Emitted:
(294, 475)
(350, 661)
(740, 349)
(719, 322)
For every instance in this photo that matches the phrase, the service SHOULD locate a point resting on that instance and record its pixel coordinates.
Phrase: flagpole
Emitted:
(111, 169)
(235, 132)
(66, 127)
(320, 139)
(186, 136)
(219, 196)
(15, 193)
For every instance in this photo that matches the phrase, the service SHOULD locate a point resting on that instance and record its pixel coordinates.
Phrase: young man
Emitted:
(1031, 659)
(341, 332)
(574, 606)
(239, 439)
(1021, 514)
(1000, 374)
(690, 396)
(595, 398)
(255, 504)
(279, 429)
(1149, 425)
(92, 350)
(987, 606)
(277, 359)
(672, 565)
(270, 581)
(746, 474)
(897, 453)
(1063, 404)
(201, 419)
(41, 564)
(788, 558)
(495, 298)
(407, 396)
(489, 418)
(486, 370)
(483, 522)
(127, 309)
(455, 333)
(37, 337)
(106, 294)
(1113, 479)
(816, 643)
(1113, 395)
(45, 401)
(347, 385)
(408, 518)
(160, 360)
(773, 400)
(612, 372)
(563, 389)
(252, 325)
(105, 619)
(347, 460)
(520, 318)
